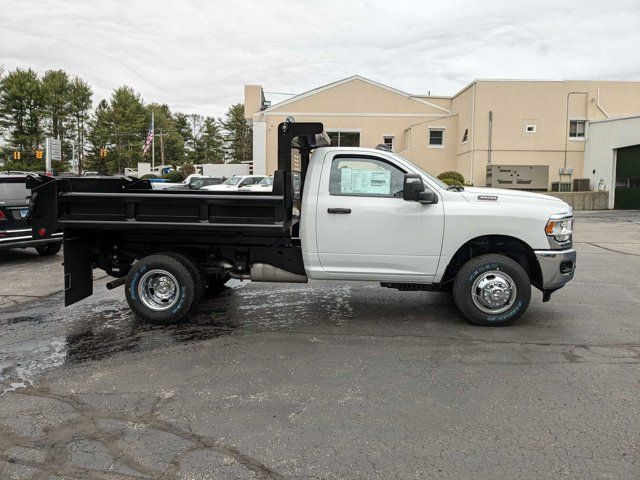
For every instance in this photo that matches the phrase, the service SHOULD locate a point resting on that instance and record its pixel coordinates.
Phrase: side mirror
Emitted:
(415, 191)
(413, 186)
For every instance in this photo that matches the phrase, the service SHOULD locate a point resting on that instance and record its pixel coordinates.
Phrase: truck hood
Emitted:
(505, 196)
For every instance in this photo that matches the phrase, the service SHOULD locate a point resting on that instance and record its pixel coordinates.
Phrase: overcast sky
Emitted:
(197, 55)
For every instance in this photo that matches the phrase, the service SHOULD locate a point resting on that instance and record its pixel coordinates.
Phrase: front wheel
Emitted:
(492, 290)
(160, 289)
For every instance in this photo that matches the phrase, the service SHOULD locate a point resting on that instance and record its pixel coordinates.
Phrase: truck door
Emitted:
(365, 230)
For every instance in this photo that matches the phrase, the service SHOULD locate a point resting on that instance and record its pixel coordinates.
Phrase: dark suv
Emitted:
(15, 225)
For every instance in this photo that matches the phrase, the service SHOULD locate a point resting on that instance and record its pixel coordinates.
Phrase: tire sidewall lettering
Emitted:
(133, 287)
(483, 268)
(507, 315)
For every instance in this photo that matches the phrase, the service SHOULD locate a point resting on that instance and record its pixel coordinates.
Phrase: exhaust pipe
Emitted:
(116, 283)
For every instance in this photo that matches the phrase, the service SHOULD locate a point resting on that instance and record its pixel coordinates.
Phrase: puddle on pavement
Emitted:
(44, 335)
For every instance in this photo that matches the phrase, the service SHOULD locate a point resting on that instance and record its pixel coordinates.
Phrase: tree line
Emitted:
(110, 136)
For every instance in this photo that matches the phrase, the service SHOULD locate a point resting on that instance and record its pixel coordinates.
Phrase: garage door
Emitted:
(628, 178)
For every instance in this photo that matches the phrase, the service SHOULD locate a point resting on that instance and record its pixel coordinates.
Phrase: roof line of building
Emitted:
(614, 119)
(328, 86)
(421, 97)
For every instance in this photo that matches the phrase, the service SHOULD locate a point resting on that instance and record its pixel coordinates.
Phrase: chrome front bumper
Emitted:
(557, 266)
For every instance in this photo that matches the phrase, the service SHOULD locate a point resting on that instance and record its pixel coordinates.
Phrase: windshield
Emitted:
(16, 190)
(231, 181)
(266, 181)
(197, 183)
(437, 181)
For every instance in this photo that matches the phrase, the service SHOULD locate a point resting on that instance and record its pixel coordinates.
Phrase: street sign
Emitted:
(54, 149)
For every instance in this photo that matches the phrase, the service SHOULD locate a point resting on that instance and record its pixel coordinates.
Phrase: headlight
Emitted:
(560, 227)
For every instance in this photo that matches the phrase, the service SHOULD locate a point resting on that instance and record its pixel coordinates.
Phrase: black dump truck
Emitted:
(171, 246)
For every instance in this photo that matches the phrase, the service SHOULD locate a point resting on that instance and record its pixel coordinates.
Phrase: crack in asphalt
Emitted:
(613, 250)
(86, 426)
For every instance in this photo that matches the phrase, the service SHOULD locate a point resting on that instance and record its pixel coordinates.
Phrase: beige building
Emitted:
(498, 122)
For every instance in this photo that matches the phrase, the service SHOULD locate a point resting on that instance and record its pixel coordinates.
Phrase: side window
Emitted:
(365, 177)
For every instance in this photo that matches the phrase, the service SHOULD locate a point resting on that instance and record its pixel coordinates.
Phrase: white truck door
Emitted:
(365, 230)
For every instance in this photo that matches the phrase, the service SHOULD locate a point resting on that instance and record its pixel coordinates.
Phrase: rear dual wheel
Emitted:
(161, 288)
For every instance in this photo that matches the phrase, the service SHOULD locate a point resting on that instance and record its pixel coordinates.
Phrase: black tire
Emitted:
(198, 278)
(473, 270)
(141, 271)
(49, 249)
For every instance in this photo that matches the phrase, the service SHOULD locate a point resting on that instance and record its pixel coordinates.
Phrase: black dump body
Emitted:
(133, 208)
(110, 222)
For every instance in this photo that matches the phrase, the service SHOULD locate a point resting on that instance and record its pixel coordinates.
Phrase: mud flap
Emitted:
(78, 268)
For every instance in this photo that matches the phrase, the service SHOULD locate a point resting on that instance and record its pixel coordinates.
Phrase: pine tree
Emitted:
(212, 141)
(79, 112)
(21, 104)
(239, 134)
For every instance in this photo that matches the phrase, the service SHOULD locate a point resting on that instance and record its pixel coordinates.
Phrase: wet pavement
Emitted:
(328, 380)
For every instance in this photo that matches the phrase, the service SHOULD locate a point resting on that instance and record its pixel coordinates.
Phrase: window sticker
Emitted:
(363, 181)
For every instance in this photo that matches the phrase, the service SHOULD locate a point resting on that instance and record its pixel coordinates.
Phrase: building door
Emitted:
(628, 178)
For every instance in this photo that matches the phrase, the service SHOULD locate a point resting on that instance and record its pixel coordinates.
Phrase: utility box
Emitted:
(519, 177)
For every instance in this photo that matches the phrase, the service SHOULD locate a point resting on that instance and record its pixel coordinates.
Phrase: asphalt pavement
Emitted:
(326, 380)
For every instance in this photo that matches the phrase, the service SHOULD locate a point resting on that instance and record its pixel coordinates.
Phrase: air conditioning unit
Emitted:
(560, 186)
(581, 184)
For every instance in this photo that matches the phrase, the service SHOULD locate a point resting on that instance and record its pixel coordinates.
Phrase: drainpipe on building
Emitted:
(473, 128)
(490, 137)
(600, 106)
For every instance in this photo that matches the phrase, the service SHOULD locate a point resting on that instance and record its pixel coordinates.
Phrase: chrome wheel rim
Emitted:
(494, 292)
(158, 290)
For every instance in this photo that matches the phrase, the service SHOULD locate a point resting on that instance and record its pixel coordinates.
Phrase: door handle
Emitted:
(344, 211)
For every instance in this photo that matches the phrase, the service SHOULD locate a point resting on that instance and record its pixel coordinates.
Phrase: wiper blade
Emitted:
(456, 188)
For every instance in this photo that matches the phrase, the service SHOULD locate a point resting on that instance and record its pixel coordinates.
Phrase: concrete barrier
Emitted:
(583, 200)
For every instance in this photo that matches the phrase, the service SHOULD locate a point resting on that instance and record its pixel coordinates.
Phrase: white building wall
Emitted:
(603, 138)
(259, 147)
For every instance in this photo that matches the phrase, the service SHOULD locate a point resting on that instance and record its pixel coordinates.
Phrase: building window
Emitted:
(465, 135)
(344, 139)
(436, 137)
(530, 129)
(576, 128)
(388, 141)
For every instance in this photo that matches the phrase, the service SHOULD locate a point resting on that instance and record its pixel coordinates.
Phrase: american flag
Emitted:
(148, 142)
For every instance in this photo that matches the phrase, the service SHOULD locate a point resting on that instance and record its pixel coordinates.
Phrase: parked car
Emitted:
(15, 222)
(235, 183)
(365, 215)
(264, 185)
(196, 182)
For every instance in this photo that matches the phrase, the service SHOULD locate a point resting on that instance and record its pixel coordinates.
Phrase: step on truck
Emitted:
(334, 213)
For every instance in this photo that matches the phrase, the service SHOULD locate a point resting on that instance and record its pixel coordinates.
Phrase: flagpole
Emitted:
(153, 143)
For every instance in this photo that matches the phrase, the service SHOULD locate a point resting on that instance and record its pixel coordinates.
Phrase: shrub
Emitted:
(452, 181)
(173, 176)
(186, 170)
(453, 176)
(148, 176)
